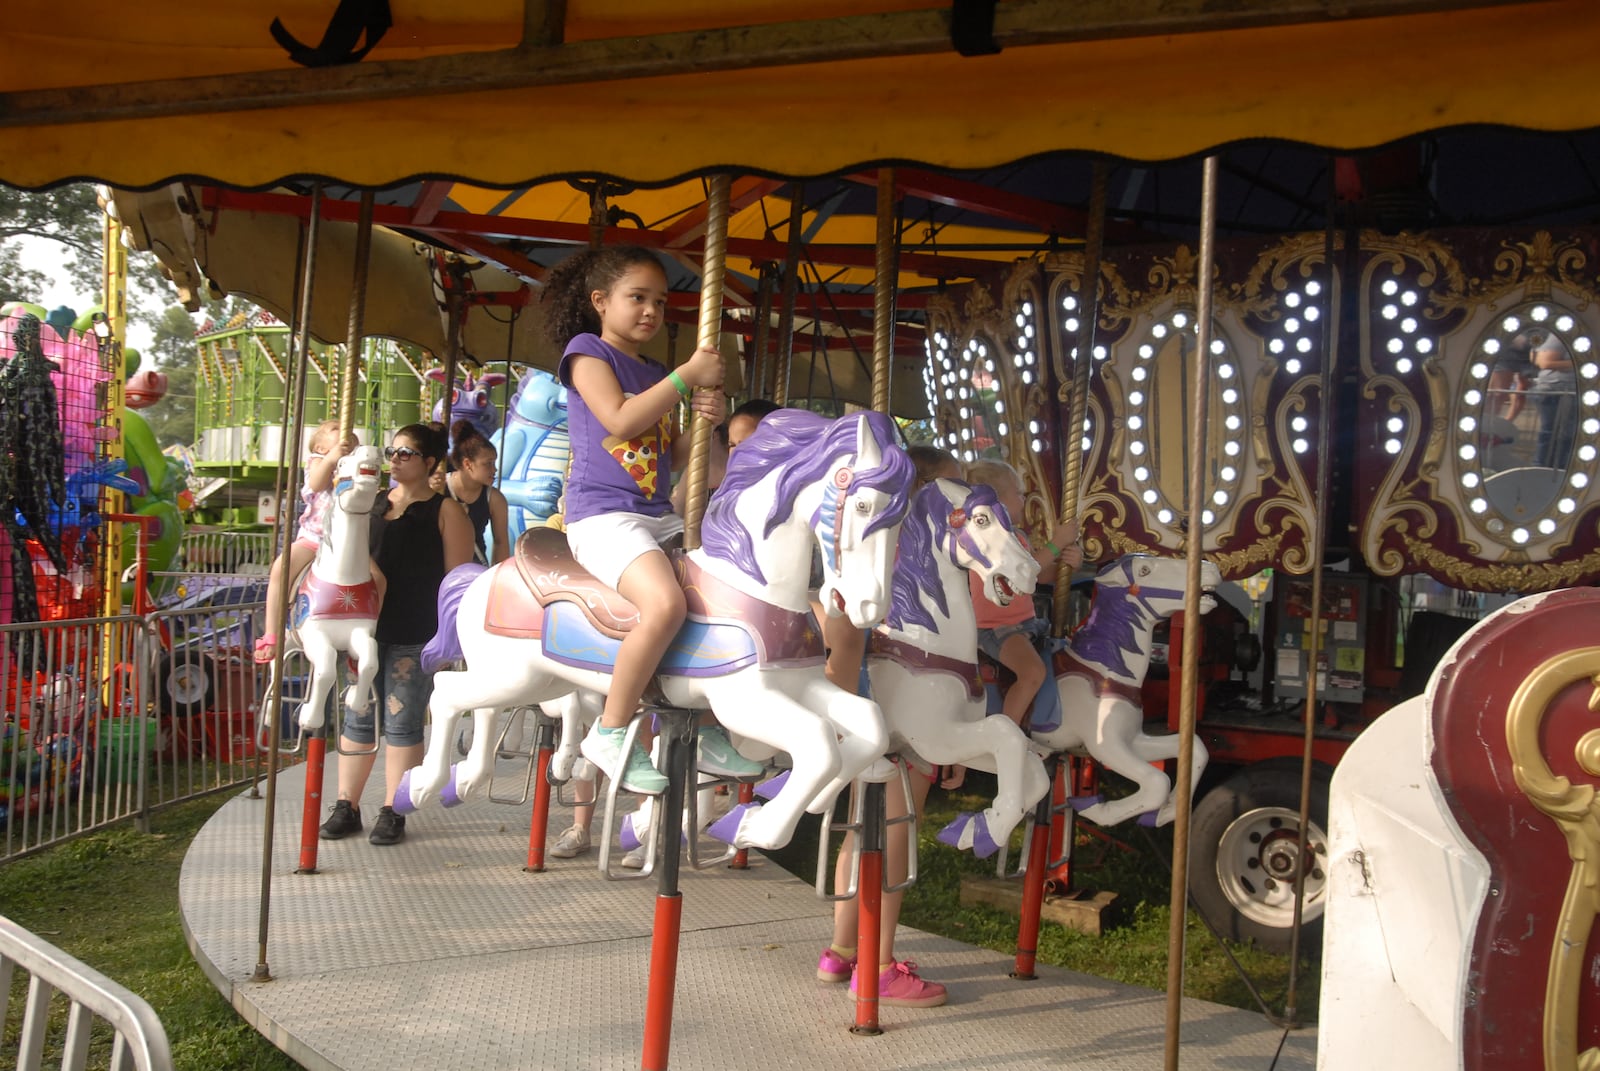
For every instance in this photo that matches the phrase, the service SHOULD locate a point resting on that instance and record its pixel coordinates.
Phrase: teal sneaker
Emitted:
(603, 747)
(716, 755)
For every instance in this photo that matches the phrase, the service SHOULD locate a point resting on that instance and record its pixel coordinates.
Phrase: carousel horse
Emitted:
(536, 627)
(1098, 677)
(922, 659)
(335, 603)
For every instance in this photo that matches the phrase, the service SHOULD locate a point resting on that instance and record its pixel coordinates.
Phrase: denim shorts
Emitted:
(403, 694)
(990, 640)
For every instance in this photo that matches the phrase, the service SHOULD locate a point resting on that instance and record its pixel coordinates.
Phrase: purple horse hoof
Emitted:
(726, 828)
(1083, 803)
(970, 831)
(770, 788)
(402, 795)
(448, 796)
(1149, 819)
(630, 840)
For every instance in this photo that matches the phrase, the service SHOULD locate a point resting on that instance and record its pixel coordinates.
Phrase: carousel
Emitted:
(1309, 369)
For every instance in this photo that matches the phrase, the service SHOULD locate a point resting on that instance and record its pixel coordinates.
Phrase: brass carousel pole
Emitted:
(711, 280)
(677, 735)
(791, 286)
(1082, 366)
(1330, 360)
(1200, 374)
(286, 524)
(874, 809)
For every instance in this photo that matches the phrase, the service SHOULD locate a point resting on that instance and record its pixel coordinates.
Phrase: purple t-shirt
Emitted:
(608, 474)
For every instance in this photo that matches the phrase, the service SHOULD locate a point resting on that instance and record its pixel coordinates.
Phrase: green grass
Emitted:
(111, 899)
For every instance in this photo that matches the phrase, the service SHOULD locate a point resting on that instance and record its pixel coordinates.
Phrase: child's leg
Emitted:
(898, 857)
(650, 584)
(1017, 655)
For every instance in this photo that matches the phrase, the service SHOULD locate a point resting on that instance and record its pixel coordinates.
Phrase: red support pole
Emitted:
(540, 826)
(663, 981)
(316, 753)
(869, 893)
(1060, 826)
(1033, 881)
(741, 858)
(869, 898)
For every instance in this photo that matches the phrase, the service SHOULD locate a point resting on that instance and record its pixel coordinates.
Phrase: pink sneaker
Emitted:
(899, 986)
(833, 967)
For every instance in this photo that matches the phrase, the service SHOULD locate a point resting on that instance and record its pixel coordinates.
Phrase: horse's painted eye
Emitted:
(982, 520)
(862, 508)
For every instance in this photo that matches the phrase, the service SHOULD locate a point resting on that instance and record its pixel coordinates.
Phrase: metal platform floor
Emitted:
(441, 953)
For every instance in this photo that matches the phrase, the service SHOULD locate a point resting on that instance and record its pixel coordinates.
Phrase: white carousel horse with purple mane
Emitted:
(536, 627)
(923, 658)
(334, 607)
(1098, 677)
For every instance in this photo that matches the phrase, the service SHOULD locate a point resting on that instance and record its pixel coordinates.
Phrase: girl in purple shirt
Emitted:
(605, 304)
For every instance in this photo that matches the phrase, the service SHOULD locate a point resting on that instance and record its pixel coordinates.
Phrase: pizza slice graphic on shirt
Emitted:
(638, 458)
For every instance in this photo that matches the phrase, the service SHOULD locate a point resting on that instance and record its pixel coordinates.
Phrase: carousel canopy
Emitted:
(506, 94)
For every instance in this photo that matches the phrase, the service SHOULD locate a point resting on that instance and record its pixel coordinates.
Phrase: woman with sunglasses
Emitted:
(418, 535)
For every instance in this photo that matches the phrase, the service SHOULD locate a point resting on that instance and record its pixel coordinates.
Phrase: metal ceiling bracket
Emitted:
(972, 27)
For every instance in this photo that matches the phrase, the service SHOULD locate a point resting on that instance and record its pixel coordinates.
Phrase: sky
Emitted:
(39, 254)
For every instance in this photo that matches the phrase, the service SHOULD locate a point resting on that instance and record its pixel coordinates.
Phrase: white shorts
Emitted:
(607, 543)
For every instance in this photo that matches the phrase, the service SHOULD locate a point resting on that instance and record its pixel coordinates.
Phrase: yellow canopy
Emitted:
(627, 90)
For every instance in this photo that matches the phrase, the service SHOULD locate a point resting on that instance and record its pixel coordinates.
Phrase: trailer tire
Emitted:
(1243, 840)
(185, 684)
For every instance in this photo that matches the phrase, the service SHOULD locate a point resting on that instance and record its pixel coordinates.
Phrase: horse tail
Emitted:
(445, 647)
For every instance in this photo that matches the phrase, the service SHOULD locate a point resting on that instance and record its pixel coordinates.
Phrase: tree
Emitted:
(174, 353)
(70, 219)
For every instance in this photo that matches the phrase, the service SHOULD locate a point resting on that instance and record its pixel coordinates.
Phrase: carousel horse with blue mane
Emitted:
(1099, 674)
(334, 606)
(923, 658)
(537, 627)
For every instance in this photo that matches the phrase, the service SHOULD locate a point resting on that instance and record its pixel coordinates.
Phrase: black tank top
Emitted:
(478, 514)
(411, 554)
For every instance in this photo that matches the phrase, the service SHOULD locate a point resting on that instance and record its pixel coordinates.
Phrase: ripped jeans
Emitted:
(403, 694)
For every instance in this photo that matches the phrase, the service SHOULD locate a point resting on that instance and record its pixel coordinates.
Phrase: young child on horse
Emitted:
(605, 305)
(1007, 633)
(326, 449)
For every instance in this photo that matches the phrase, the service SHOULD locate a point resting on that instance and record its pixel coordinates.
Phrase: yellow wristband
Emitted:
(677, 381)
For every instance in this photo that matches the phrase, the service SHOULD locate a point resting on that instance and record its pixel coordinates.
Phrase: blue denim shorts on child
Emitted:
(990, 640)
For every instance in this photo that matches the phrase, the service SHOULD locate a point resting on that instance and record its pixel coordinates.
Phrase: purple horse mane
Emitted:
(916, 575)
(446, 645)
(1108, 633)
(801, 445)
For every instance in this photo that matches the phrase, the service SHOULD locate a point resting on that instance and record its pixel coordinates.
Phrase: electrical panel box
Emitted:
(1342, 650)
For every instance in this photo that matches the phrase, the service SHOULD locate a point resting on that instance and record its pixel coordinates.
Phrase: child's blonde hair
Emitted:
(986, 470)
(326, 436)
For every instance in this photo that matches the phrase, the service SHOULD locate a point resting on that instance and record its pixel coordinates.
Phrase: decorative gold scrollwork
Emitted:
(1576, 810)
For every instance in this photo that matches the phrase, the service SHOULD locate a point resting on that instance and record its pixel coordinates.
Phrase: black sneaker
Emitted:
(345, 820)
(390, 828)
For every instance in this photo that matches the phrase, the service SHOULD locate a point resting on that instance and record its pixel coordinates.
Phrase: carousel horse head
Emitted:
(355, 480)
(863, 479)
(1157, 584)
(969, 526)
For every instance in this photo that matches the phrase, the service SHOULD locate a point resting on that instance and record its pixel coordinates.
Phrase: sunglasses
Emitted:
(399, 453)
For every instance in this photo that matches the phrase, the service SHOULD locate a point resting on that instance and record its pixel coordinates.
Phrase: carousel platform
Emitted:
(441, 953)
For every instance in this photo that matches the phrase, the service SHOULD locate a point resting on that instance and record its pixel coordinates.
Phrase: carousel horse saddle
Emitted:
(914, 657)
(581, 622)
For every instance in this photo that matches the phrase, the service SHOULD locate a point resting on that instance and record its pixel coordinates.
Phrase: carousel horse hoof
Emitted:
(769, 789)
(1150, 819)
(448, 795)
(628, 837)
(1083, 803)
(726, 829)
(969, 832)
(402, 796)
